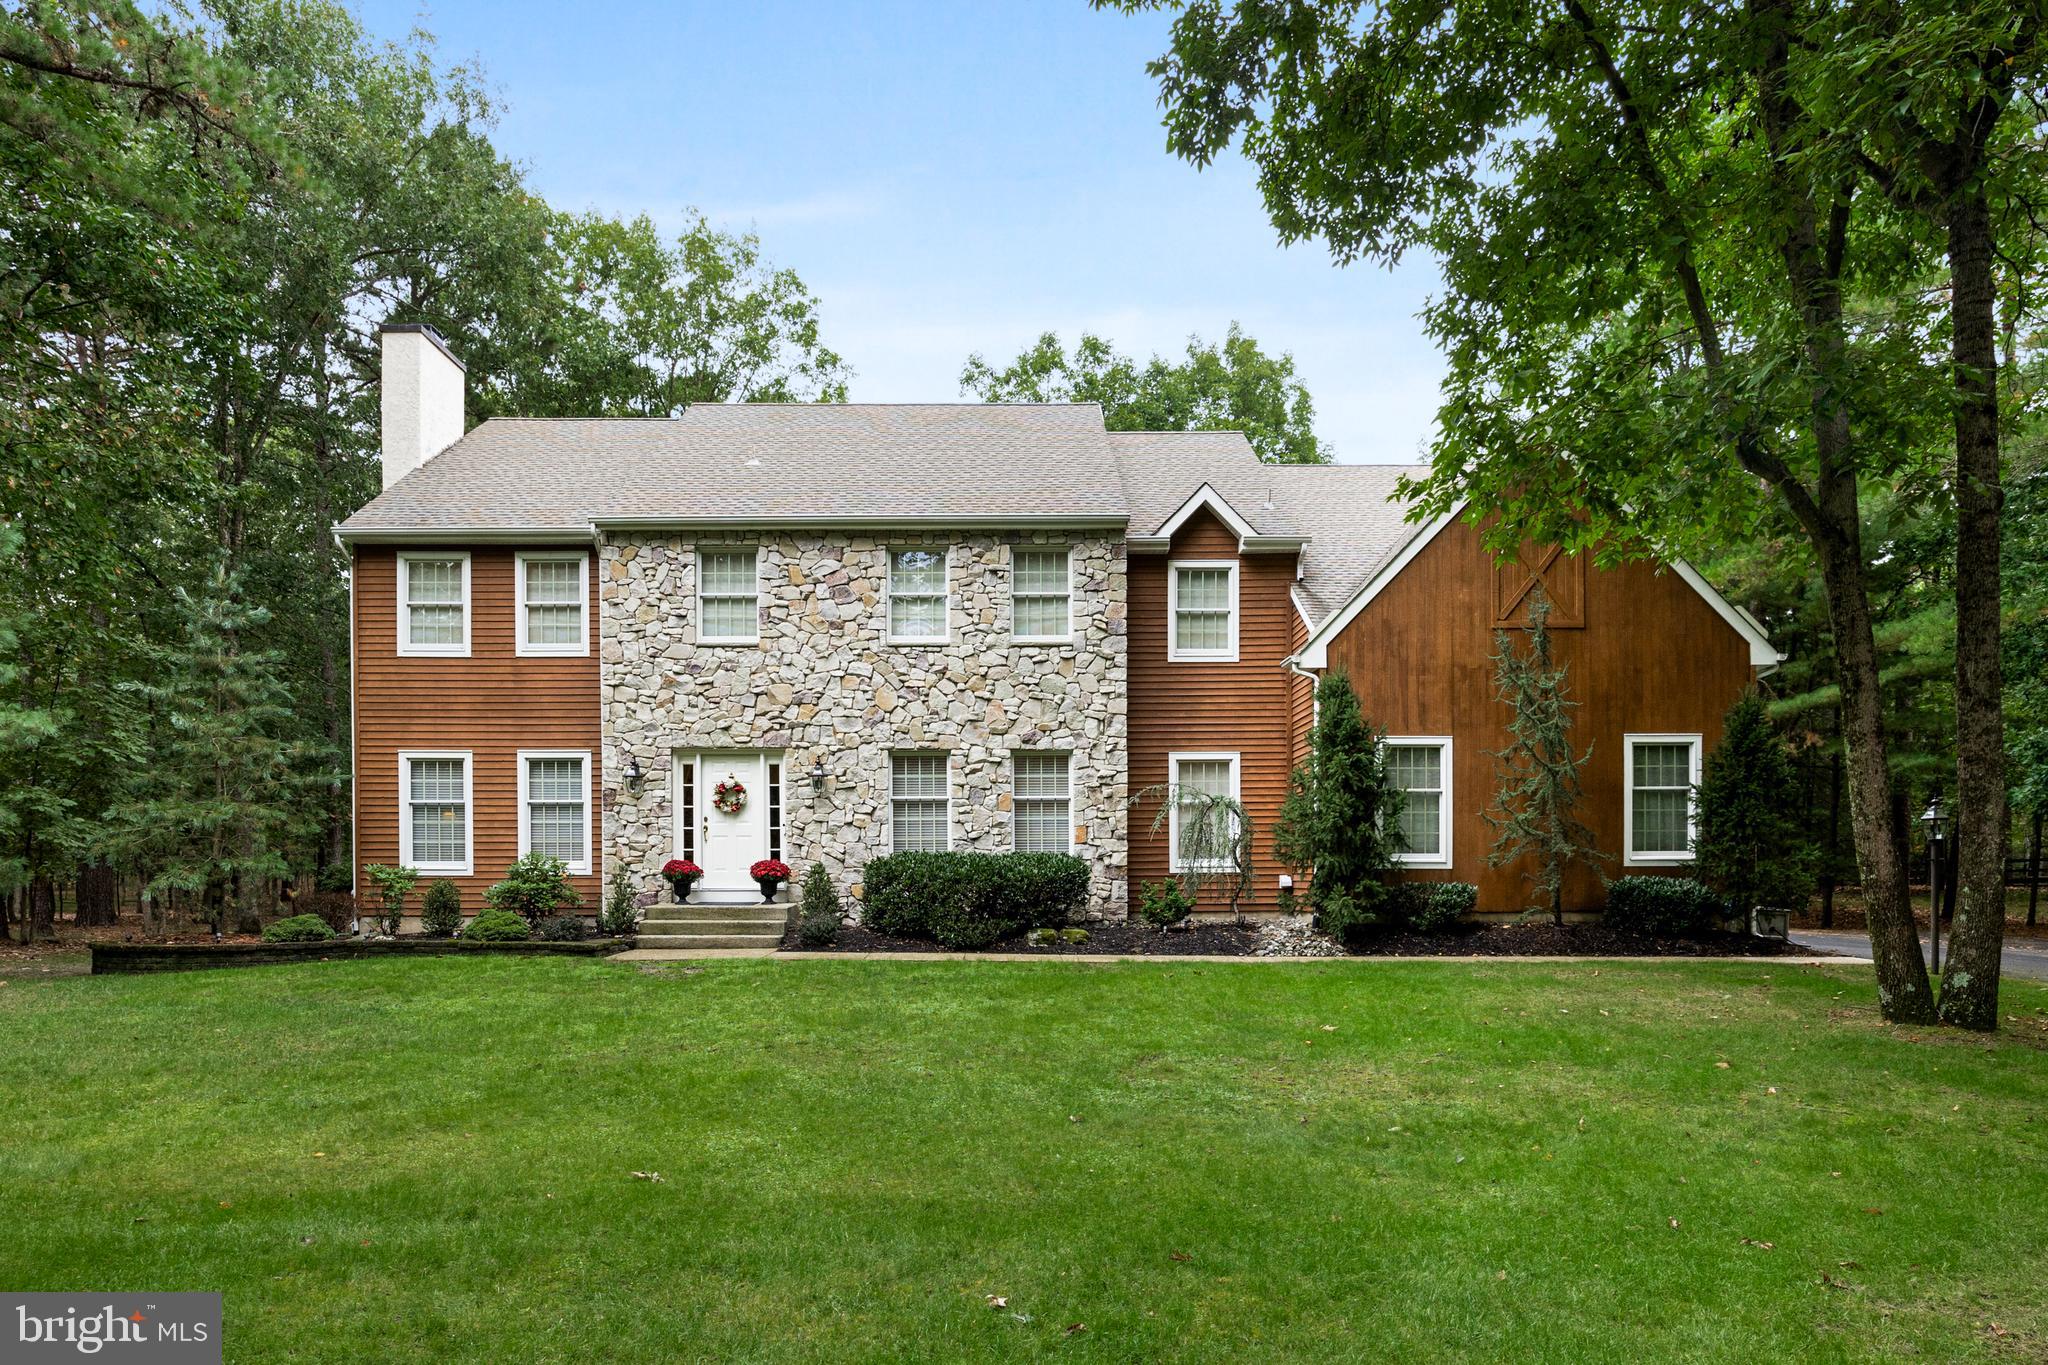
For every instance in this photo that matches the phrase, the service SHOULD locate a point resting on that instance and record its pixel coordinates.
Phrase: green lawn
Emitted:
(433, 1160)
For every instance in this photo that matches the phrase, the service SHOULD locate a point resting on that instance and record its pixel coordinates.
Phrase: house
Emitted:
(925, 626)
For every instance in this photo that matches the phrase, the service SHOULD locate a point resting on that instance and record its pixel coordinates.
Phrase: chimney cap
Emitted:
(426, 330)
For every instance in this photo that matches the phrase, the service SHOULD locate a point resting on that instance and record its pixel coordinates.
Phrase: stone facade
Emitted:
(825, 686)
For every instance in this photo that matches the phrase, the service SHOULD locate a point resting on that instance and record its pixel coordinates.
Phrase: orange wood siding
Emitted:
(1243, 707)
(1652, 657)
(493, 703)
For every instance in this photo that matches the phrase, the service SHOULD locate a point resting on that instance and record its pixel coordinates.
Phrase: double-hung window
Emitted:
(1202, 831)
(1043, 803)
(920, 804)
(1662, 771)
(554, 805)
(553, 589)
(728, 596)
(1202, 612)
(1040, 588)
(917, 595)
(434, 812)
(1420, 765)
(433, 604)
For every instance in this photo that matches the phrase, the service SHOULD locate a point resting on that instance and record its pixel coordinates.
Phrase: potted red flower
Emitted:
(769, 874)
(681, 874)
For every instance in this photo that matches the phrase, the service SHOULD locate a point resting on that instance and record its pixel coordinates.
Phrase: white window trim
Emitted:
(946, 754)
(945, 597)
(1629, 857)
(707, 639)
(1173, 761)
(1444, 806)
(405, 645)
(521, 645)
(580, 867)
(1063, 637)
(1174, 653)
(405, 859)
(1068, 755)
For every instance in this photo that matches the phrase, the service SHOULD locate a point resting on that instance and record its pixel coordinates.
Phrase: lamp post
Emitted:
(1932, 820)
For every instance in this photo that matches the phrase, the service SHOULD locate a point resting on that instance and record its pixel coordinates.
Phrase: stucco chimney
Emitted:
(421, 399)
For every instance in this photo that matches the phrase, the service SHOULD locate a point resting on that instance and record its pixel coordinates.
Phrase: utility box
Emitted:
(1765, 922)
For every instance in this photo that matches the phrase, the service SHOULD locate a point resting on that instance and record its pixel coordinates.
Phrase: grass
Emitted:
(433, 1160)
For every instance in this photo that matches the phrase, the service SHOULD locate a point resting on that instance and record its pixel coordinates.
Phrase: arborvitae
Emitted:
(1341, 820)
(817, 923)
(1751, 847)
(1538, 789)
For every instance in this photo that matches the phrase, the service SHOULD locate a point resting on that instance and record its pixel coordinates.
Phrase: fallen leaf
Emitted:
(1761, 1246)
(655, 1176)
(1073, 1118)
(225, 1204)
(1876, 1213)
(1849, 1265)
(1329, 1028)
(999, 1300)
(1720, 1066)
(1674, 1222)
(305, 1241)
(1178, 1256)
(1075, 1328)
(1500, 1274)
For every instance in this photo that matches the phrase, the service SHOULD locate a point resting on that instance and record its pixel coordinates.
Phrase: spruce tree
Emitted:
(1537, 776)
(1751, 847)
(1341, 820)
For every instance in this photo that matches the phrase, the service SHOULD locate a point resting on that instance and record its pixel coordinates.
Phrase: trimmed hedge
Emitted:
(1662, 907)
(497, 926)
(298, 929)
(1436, 907)
(441, 909)
(970, 900)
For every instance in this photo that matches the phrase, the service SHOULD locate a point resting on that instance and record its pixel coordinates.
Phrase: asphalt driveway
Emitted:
(2023, 957)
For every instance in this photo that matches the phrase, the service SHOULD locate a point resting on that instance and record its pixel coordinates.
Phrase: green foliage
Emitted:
(393, 885)
(1438, 907)
(441, 909)
(560, 929)
(1163, 902)
(298, 929)
(970, 900)
(1538, 792)
(1073, 934)
(1232, 387)
(1214, 833)
(535, 887)
(497, 926)
(1751, 848)
(1662, 907)
(336, 910)
(1340, 821)
(621, 914)
(817, 924)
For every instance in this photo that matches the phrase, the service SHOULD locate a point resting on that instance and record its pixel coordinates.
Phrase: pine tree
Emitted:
(1537, 777)
(1341, 820)
(1751, 847)
(817, 923)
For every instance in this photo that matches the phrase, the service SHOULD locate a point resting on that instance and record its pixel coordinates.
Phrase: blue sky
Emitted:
(946, 177)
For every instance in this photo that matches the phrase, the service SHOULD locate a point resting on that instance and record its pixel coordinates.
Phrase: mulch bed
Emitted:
(1229, 940)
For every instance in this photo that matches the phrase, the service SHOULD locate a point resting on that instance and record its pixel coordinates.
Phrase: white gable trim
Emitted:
(1316, 653)
(1249, 538)
(1762, 653)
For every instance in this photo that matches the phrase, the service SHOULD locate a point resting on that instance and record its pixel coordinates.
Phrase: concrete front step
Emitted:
(711, 924)
(765, 941)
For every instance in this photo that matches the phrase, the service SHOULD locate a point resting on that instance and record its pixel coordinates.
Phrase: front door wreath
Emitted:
(730, 796)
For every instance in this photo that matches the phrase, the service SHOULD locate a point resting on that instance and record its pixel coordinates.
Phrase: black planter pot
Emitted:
(769, 886)
(682, 887)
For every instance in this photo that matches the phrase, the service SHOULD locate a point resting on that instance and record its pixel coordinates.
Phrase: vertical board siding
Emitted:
(493, 703)
(1243, 707)
(1652, 657)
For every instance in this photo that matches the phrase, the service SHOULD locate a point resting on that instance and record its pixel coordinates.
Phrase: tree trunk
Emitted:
(41, 916)
(99, 896)
(1834, 854)
(1969, 989)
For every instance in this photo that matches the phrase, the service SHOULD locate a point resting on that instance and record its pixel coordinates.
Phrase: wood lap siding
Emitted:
(493, 703)
(1652, 657)
(1243, 707)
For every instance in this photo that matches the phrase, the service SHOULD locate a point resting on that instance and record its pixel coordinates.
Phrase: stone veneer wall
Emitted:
(824, 685)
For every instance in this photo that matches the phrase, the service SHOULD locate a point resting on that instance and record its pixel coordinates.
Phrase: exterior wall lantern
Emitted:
(817, 776)
(631, 775)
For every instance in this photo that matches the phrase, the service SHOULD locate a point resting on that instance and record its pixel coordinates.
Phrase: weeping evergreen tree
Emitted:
(1341, 821)
(1751, 845)
(211, 798)
(1537, 777)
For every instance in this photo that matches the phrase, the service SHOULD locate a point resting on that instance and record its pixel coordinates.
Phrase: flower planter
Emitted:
(769, 886)
(769, 874)
(681, 875)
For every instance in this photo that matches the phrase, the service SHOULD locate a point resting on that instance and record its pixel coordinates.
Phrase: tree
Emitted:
(1341, 820)
(1232, 387)
(1537, 790)
(1751, 847)
(1214, 837)
(1679, 281)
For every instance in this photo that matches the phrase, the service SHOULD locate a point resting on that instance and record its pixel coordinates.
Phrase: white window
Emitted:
(433, 604)
(554, 805)
(1202, 609)
(1206, 775)
(920, 804)
(729, 596)
(1040, 585)
(552, 591)
(917, 596)
(434, 812)
(1420, 765)
(1044, 803)
(1662, 771)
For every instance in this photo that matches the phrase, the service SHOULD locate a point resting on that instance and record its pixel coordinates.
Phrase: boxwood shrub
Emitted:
(1663, 907)
(298, 929)
(497, 926)
(1436, 907)
(970, 900)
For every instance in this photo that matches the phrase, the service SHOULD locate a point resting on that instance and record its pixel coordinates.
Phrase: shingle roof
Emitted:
(1163, 469)
(767, 461)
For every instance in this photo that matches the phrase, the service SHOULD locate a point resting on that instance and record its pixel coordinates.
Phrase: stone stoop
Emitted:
(713, 926)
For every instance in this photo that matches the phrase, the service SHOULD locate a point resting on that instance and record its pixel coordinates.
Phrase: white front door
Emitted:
(730, 844)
